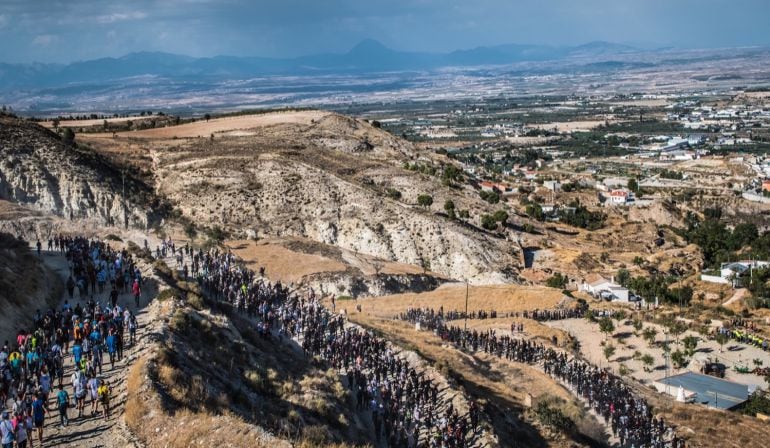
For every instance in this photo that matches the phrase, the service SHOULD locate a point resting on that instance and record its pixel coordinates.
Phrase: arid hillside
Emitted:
(40, 169)
(321, 176)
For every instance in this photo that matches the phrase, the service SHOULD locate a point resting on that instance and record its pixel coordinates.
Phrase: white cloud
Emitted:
(3, 21)
(44, 40)
(120, 17)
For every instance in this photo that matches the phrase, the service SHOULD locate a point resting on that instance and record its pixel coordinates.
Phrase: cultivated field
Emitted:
(203, 128)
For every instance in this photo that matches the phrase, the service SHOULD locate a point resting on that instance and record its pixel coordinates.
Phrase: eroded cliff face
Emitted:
(328, 182)
(39, 170)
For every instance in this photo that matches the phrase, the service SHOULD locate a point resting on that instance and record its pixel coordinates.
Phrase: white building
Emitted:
(598, 286)
(619, 197)
(552, 185)
(729, 273)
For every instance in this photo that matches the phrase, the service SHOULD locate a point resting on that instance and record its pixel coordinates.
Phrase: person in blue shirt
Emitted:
(112, 347)
(38, 417)
(63, 400)
(96, 337)
(77, 352)
(32, 361)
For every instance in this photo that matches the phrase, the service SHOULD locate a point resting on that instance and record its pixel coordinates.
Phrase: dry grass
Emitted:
(282, 264)
(136, 406)
(501, 298)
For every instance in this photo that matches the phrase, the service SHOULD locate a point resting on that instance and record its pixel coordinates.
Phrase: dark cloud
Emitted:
(62, 31)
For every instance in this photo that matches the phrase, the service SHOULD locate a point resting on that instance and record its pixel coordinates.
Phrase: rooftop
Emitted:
(711, 391)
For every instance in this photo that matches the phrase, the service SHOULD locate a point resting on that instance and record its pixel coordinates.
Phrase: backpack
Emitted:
(9, 428)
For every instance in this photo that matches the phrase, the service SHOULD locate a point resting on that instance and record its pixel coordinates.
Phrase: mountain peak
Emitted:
(367, 46)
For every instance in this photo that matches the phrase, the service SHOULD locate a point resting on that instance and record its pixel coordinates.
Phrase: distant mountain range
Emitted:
(368, 56)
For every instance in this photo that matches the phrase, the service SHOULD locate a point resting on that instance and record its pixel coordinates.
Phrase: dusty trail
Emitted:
(88, 430)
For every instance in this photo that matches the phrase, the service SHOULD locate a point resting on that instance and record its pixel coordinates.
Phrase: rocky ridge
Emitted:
(40, 170)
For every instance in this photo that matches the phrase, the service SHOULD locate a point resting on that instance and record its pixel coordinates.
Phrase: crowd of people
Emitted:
(405, 407)
(630, 417)
(746, 337)
(32, 367)
(538, 315)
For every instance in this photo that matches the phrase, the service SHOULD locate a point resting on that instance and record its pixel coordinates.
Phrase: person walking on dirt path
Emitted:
(137, 291)
(38, 417)
(79, 385)
(114, 295)
(63, 400)
(132, 324)
(112, 347)
(70, 287)
(93, 392)
(23, 427)
(104, 396)
(7, 430)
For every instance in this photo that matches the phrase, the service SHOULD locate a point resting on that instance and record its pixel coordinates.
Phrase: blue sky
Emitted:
(67, 30)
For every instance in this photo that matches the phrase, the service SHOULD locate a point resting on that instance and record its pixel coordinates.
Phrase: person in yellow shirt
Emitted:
(104, 392)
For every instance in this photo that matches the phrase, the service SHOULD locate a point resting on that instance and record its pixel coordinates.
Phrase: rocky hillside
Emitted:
(37, 168)
(335, 180)
(317, 175)
(26, 285)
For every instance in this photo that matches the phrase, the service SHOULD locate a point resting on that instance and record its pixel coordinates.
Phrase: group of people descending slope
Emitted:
(405, 405)
(59, 362)
(630, 417)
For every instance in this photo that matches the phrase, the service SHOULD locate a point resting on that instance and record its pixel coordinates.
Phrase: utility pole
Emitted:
(466, 305)
(665, 357)
(123, 179)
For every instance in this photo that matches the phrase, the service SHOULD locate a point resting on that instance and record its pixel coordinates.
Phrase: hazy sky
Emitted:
(66, 30)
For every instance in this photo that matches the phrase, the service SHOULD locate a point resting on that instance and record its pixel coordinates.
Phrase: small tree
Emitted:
(678, 359)
(190, 230)
(557, 281)
(55, 123)
(619, 316)
(638, 260)
(501, 216)
(464, 214)
(721, 340)
(609, 350)
(425, 200)
(623, 276)
(649, 335)
(690, 344)
(207, 117)
(648, 362)
(676, 329)
(449, 208)
(488, 222)
(633, 185)
(393, 194)
(606, 326)
(69, 136)
(638, 324)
